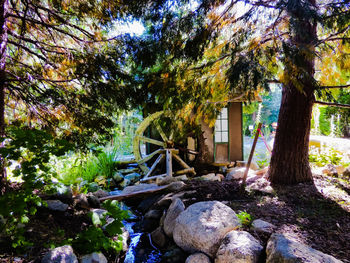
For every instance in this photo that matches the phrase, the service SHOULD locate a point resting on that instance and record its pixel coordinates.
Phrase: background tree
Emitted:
(270, 41)
(58, 69)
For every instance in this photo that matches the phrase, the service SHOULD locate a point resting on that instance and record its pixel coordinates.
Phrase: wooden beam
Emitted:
(180, 161)
(151, 155)
(169, 165)
(135, 194)
(159, 159)
(152, 141)
(251, 156)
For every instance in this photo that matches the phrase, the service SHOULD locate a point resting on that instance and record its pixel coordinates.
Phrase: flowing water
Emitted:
(141, 249)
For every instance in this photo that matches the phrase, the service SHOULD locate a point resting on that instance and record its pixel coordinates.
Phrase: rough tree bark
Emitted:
(3, 45)
(290, 157)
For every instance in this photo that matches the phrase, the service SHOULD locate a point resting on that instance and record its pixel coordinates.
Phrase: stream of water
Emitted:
(140, 249)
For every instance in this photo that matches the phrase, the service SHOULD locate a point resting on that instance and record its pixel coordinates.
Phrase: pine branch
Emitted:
(62, 20)
(334, 87)
(53, 27)
(332, 36)
(347, 106)
(28, 50)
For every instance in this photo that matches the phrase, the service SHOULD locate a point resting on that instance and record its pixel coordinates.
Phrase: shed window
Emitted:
(221, 127)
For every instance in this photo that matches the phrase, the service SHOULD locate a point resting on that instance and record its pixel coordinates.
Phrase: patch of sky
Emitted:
(133, 27)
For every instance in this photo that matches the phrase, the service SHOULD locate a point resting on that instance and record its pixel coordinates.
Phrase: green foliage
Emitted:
(343, 128)
(102, 236)
(325, 126)
(269, 112)
(30, 151)
(245, 219)
(325, 155)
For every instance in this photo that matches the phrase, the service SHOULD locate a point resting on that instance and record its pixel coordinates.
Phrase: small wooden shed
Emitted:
(224, 141)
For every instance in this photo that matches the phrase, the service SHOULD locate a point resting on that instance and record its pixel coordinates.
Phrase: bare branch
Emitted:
(347, 106)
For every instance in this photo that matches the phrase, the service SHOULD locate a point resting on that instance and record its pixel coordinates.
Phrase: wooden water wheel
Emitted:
(165, 149)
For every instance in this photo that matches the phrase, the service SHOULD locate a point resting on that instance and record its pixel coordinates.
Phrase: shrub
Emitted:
(325, 155)
(94, 238)
(245, 219)
(30, 151)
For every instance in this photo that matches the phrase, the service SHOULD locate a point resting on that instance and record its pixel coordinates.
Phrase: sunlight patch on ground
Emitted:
(334, 192)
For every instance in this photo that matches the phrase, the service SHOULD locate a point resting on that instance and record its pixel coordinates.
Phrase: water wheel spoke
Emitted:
(159, 159)
(161, 132)
(151, 141)
(180, 161)
(150, 156)
(171, 136)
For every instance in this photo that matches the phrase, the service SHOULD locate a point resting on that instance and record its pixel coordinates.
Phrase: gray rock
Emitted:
(165, 201)
(126, 182)
(100, 193)
(174, 255)
(239, 247)
(253, 165)
(262, 226)
(280, 249)
(94, 258)
(330, 169)
(62, 254)
(176, 186)
(139, 188)
(118, 177)
(202, 226)
(133, 177)
(347, 172)
(211, 177)
(125, 238)
(176, 207)
(237, 173)
(340, 169)
(159, 238)
(63, 191)
(56, 205)
(93, 187)
(198, 258)
(93, 200)
(100, 212)
(81, 201)
(170, 179)
(154, 214)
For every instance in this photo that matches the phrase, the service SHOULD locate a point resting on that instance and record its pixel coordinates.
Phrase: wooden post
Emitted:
(251, 156)
(169, 166)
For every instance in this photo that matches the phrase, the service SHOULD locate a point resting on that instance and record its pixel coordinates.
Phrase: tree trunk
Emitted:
(3, 45)
(290, 156)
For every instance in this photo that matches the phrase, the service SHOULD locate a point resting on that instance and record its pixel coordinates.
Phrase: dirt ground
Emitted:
(315, 214)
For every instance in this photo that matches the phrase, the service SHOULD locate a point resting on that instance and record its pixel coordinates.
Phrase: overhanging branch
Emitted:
(334, 87)
(347, 106)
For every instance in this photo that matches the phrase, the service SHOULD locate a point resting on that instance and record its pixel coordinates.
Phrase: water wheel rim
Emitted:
(139, 136)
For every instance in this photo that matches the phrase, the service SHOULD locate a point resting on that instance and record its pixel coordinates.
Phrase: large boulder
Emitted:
(239, 247)
(176, 207)
(280, 249)
(198, 258)
(202, 226)
(62, 254)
